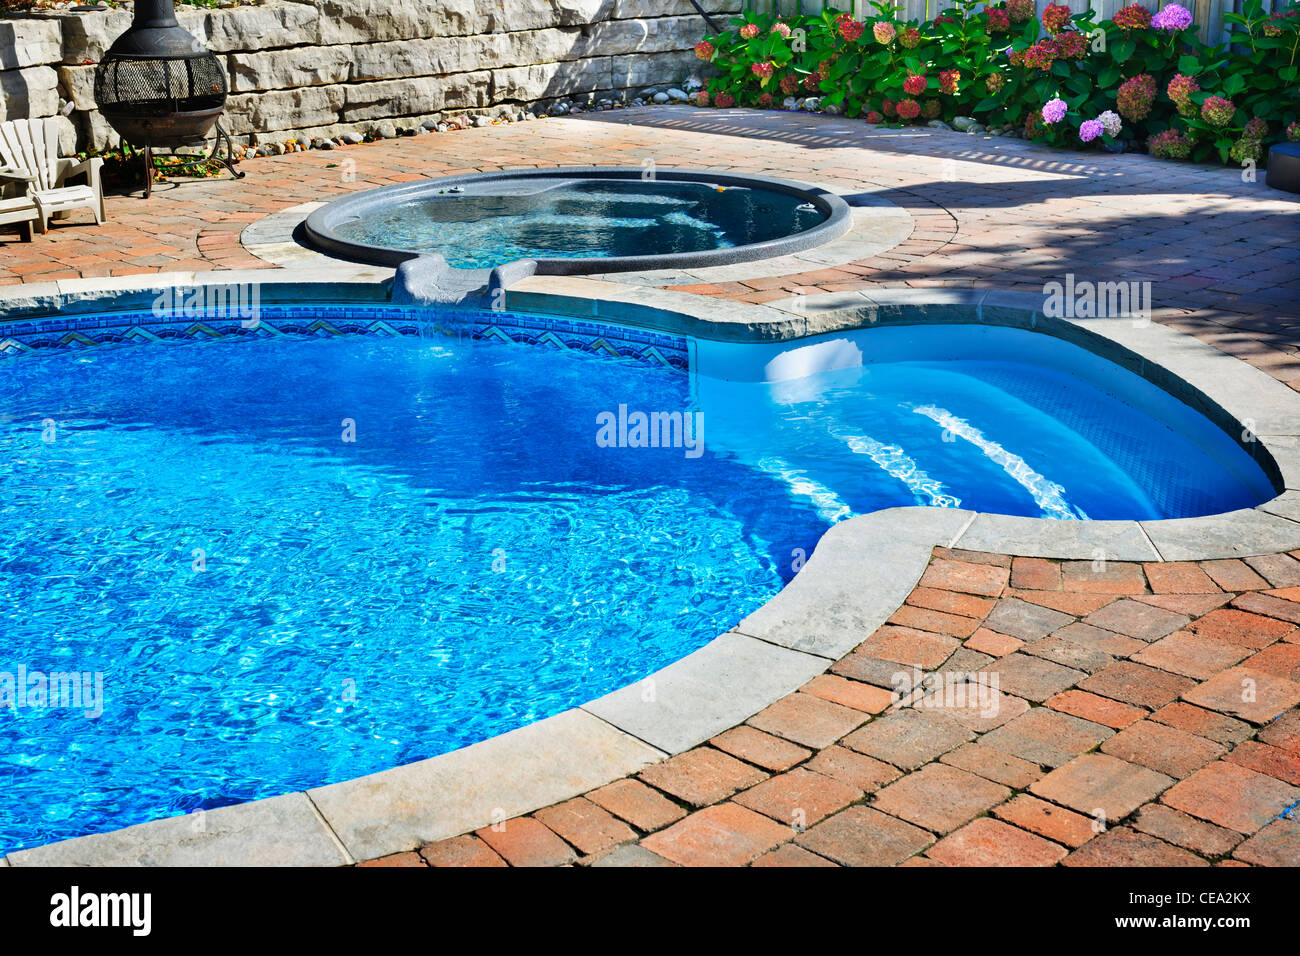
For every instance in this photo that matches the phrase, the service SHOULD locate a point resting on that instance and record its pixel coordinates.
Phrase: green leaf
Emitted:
(1188, 65)
(1108, 77)
(1122, 50)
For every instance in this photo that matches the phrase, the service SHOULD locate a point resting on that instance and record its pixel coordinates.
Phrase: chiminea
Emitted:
(159, 86)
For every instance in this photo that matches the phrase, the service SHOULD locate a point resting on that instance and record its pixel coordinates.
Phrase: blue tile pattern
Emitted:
(24, 335)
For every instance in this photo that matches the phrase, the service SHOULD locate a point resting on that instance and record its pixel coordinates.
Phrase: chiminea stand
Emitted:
(188, 161)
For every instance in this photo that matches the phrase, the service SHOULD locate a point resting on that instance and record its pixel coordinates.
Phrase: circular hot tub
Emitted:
(576, 220)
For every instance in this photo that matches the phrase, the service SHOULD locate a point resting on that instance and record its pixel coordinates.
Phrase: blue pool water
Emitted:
(583, 219)
(274, 607)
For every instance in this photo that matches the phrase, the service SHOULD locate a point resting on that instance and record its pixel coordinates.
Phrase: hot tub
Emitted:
(582, 220)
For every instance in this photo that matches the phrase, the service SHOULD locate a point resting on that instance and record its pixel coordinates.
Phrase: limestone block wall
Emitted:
(304, 68)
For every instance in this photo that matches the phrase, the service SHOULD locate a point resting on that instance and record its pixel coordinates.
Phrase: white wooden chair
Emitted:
(29, 156)
(20, 210)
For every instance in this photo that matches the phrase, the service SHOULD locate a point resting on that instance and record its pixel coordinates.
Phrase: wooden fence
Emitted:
(1209, 13)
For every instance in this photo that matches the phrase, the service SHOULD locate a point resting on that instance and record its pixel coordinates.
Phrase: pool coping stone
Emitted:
(720, 685)
(282, 831)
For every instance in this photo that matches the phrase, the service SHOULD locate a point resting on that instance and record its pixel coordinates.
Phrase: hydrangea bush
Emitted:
(1142, 79)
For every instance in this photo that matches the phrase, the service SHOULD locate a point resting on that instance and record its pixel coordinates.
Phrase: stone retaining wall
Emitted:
(305, 68)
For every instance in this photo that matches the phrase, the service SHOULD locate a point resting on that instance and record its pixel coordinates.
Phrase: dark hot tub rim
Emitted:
(320, 227)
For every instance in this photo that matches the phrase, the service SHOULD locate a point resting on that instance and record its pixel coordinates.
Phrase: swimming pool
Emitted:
(297, 560)
(591, 219)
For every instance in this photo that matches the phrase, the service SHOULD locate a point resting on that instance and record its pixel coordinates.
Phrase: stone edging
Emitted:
(822, 614)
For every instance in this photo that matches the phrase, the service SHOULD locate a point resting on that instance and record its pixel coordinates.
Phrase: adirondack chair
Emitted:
(29, 156)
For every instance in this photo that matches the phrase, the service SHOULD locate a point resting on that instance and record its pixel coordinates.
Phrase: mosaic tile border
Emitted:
(28, 335)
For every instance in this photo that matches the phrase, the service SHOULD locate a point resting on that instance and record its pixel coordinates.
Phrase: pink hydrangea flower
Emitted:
(915, 84)
(1281, 22)
(1054, 110)
(849, 28)
(1056, 17)
(884, 32)
(1021, 10)
(749, 31)
(1180, 90)
(1040, 56)
(1070, 45)
(1171, 144)
(1218, 111)
(1133, 17)
(782, 28)
(1110, 122)
(1135, 96)
(1172, 18)
(999, 20)
(704, 50)
(1090, 130)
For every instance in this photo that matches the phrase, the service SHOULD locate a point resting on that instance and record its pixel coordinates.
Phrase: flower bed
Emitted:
(1138, 80)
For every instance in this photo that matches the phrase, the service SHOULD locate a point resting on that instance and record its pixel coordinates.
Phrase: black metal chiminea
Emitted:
(159, 86)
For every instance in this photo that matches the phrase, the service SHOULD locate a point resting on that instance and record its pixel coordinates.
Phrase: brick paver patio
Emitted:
(1129, 715)
(1145, 714)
